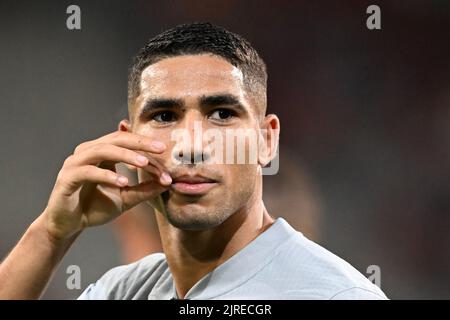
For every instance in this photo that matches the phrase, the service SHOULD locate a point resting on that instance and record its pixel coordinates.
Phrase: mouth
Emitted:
(193, 185)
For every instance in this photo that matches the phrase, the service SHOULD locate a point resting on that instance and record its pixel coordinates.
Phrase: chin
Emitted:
(194, 216)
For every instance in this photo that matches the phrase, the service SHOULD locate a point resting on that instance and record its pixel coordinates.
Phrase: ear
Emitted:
(124, 125)
(268, 139)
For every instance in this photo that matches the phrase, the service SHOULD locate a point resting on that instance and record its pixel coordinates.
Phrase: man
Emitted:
(219, 241)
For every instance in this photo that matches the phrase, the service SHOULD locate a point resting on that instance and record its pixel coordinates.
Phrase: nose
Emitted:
(193, 157)
(190, 148)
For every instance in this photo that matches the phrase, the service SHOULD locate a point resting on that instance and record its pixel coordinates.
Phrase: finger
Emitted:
(108, 154)
(101, 153)
(164, 177)
(131, 196)
(71, 180)
(126, 140)
(154, 162)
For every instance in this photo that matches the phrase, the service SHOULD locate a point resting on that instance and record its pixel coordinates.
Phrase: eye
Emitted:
(222, 114)
(164, 116)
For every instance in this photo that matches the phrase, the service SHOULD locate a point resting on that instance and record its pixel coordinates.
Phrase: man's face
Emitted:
(182, 94)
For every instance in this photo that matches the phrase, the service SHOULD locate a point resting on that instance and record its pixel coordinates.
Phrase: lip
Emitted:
(193, 185)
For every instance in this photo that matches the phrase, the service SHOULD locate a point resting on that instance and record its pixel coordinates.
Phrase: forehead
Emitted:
(191, 75)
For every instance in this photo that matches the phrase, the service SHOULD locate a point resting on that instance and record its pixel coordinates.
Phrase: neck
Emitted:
(193, 254)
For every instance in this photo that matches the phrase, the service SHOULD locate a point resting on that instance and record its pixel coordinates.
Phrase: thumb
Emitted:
(132, 196)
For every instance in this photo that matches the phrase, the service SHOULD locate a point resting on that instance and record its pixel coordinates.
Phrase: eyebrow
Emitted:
(160, 103)
(220, 100)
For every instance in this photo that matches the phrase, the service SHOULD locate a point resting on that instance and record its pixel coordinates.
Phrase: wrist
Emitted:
(42, 226)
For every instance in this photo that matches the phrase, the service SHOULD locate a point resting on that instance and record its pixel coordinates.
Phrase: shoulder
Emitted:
(307, 270)
(128, 281)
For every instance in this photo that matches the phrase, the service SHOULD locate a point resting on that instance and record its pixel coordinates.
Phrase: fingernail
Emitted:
(158, 145)
(141, 159)
(122, 180)
(166, 177)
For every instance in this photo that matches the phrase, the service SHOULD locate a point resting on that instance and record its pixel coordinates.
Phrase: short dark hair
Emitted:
(201, 38)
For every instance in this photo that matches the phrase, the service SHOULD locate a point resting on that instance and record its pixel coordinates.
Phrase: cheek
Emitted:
(235, 145)
(241, 178)
(241, 185)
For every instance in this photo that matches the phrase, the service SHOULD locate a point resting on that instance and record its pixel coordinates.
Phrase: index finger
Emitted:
(127, 140)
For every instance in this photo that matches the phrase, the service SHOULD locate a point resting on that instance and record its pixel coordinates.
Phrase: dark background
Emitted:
(365, 113)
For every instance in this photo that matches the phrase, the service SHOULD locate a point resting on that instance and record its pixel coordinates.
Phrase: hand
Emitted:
(89, 192)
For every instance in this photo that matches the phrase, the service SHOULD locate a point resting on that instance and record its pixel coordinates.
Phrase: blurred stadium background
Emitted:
(365, 139)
